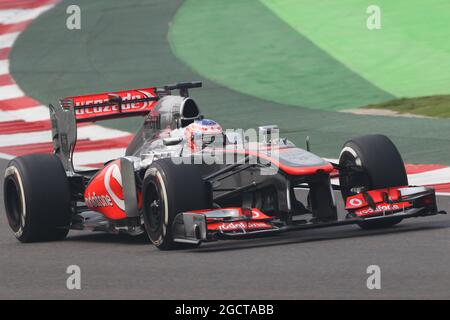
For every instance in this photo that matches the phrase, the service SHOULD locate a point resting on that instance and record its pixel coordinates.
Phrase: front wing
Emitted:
(230, 223)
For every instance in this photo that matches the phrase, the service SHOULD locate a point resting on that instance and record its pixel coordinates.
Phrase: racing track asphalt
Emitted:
(323, 263)
(326, 263)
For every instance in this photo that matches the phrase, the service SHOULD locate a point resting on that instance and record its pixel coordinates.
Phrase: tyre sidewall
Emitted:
(182, 189)
(383, 167)
(380, 159)
(12, 176)
(45, 192)
(158, 235)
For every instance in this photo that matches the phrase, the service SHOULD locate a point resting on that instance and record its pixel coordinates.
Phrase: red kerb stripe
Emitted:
(14, 27)
(4, 53)
(82, 145)
(420, 168)
(20, 126)
(18, 103)
(444, 187)
(6, 80)
(24, 4)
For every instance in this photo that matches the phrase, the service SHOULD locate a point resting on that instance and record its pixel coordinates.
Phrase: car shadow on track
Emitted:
(100, 237)
(299, 237)
(296, 237)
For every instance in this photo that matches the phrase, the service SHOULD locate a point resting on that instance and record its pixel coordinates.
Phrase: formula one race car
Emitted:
(184, 180)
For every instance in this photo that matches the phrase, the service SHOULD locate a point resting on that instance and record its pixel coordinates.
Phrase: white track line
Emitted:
(93, 133)
(29, 114)
(10, 92)
(11, 16)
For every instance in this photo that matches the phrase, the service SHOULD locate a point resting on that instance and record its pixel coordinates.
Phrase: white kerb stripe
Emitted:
(7, 39)
(6, 156)
(438, 176)
(96, 132)
(100, 156)
(10, 92)
(38, 113)
(4, 67)
(433, 177)
(85, 158)
(11, 16)
(93, 132)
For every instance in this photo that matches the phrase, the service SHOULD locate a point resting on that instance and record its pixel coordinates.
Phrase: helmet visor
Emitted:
(203, 140)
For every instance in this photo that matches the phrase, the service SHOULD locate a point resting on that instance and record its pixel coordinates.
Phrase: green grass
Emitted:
(432, 106)
(244, 46)
(408, 57)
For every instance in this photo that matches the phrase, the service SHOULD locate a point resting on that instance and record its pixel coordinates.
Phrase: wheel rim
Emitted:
(13, 203)
(154, 207)
(347, 159)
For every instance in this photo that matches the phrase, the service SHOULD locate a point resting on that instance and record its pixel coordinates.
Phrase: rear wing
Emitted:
(134, 102)
(103, 106)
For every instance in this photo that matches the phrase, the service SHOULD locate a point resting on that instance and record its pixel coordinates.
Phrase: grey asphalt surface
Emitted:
(414, 258)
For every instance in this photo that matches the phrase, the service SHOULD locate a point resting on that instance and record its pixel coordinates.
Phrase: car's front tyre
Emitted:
(169, 189)
(382, 167)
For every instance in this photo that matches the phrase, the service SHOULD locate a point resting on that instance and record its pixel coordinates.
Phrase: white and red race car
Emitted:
(183, 180)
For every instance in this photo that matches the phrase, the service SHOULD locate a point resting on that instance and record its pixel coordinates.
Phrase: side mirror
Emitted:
(172, 141)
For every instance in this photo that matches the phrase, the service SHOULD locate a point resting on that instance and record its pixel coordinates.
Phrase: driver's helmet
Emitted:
(203, 133)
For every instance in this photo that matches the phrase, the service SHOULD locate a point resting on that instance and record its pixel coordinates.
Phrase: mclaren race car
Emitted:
(184, 180)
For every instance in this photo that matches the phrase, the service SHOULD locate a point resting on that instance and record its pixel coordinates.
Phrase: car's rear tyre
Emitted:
(382, 165)
(169, 189)
(37, 198)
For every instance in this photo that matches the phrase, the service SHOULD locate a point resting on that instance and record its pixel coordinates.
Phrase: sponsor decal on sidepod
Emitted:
(104, 193)
(94, 201)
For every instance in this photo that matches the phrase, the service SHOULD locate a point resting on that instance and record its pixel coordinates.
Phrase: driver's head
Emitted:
(203, 133)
